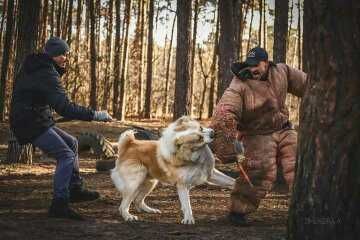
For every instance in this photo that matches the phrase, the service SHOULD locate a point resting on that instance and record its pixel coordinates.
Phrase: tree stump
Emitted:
(18, 153)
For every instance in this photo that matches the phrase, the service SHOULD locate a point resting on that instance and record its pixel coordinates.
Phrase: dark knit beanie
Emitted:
(55, 47)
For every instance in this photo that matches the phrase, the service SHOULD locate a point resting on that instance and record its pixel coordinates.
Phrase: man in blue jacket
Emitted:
(38, 90)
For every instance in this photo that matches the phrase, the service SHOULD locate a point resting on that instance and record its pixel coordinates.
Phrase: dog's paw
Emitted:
(129, 217)
(188, 220)
(147, 209)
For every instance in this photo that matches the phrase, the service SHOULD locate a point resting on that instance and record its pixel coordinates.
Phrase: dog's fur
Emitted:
(180, 157)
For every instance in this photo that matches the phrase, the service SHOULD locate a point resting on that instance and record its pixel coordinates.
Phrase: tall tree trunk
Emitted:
(44, 22)
(251, 25)
(226, 46)
(27, 40)
(52, 18)
(265, 26)
(326, 194)
(205, 77)
(147, 105)
(117, 50)
(280, 30)
(4, 8)
(93, 56)
(244, 13)
(290, 24)
(107, 86)
(6, 56)
(140, 59)
(183, 11)
(77, 49)
(299, 34)
(64, 18)
(260, 20)
(167, 74)
(213, 66)
(120, 113)
(237, 20)
(193, 53)
(58, 18)
(69, 22)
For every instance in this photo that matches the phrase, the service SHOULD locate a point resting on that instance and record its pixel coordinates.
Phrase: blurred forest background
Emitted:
(149, 58)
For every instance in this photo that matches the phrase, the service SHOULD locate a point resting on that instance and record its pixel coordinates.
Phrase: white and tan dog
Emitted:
(180, 157)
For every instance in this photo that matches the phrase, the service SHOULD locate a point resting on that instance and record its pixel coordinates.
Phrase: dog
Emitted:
(180, 157)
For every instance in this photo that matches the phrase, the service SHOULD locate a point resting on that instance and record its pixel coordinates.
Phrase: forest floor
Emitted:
(25, 194)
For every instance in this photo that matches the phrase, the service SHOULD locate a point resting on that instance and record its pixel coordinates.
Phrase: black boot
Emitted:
(238, 219)
(79, 194)
(60, 209)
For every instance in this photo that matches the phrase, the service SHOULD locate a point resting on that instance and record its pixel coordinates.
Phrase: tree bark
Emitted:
(193, 53)
(260, 21)
(147, 104)
(3, 16)
(183, 11)
(52, 18)
(250, 27)
(93, 56)
(77, 48)
(44, 22)
(280, 30)
(140, 60)
(107, 86)
(117, 50)
(27, 40)
(120, 113)
(264, 26)
(299, 35)
(58, 18)
(213, 66)
(226, 46)
(6, 56)
(205, 77)
(167, 74)
(325, 201)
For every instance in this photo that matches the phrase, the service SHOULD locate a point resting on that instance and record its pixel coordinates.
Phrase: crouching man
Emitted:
(37, 89)
(252, 111)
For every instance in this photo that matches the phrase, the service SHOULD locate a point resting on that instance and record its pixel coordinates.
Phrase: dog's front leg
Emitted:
(183, 192)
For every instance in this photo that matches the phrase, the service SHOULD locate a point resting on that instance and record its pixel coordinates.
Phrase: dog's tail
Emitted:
(125, 139)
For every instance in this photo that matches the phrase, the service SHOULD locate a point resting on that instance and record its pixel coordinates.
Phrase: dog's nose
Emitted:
(212, 133)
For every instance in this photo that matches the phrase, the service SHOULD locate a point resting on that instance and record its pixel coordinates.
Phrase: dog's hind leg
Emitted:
(220, 179)
(133, 180)
(183, 192)
(144, 190)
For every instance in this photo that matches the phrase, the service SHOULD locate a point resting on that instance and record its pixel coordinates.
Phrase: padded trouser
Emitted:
(263, 155)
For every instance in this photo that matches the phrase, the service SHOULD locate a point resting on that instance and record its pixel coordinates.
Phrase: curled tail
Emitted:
(125, 139)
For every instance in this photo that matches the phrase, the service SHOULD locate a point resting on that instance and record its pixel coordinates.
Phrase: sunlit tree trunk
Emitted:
(120, 113)
(149, 70)
(213, 66)
(193, 53)
(165, 106)
(6, 56)
(93, 56)
(183, 12)
(108, 47)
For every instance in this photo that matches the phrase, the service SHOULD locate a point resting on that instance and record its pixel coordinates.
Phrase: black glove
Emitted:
(241, 70)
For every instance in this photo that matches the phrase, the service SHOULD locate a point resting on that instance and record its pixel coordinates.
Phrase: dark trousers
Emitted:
(64, 148)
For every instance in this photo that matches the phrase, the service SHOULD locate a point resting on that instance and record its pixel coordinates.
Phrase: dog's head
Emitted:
(184, 138)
